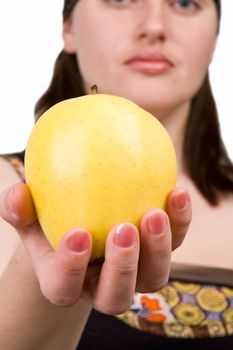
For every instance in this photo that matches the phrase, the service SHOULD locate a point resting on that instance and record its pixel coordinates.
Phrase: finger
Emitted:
(155, 251)
(180, 214)
(16, 206)
(118, 276)
(62, 275)
(60, 272)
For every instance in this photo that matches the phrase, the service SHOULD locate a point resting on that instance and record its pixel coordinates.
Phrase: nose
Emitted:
(152, 23)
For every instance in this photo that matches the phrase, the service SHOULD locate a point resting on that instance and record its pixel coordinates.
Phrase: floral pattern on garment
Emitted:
(183, 310)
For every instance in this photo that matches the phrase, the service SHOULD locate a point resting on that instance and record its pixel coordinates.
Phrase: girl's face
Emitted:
(154, 52)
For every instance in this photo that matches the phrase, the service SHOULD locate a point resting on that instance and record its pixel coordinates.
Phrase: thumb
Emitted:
(16, 206)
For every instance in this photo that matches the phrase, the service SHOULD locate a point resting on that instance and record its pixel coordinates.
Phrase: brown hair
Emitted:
(205, 156)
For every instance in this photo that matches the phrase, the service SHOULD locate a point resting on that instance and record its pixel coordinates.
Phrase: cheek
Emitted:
(93, 62)
(198, 54)
(205, 41)
(97, 56)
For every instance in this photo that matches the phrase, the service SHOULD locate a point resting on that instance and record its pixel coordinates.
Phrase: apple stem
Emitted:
(94, 89)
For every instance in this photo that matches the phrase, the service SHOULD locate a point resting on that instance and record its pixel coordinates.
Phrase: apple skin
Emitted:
(96, 161)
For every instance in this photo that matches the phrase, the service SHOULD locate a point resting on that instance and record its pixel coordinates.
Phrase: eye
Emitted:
(121, 2)
(118, 1)
(188, 5)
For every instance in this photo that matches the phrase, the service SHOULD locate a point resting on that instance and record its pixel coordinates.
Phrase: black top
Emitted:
(105, 332)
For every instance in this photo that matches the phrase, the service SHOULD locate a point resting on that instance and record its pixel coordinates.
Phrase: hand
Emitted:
(132, 262)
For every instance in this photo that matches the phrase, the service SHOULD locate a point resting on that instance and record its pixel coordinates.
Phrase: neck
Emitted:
(175, 123)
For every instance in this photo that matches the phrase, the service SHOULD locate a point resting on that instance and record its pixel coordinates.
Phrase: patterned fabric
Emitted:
(183, 310)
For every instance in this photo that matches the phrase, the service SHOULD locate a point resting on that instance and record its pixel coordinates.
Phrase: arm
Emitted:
(29, 321)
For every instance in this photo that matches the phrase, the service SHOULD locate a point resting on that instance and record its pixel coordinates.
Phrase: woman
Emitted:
(140, 50)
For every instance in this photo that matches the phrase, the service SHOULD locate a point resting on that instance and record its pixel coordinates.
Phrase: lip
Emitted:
(150, 63)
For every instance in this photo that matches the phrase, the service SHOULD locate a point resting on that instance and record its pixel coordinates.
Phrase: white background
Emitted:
(30, 37)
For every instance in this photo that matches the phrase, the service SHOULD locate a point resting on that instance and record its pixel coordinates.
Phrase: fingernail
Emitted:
(156, 223)
(180, 200)
(78, 242)
(124, 236)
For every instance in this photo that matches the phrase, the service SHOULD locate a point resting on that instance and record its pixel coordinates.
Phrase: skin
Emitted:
(144, 26)
(61, 285)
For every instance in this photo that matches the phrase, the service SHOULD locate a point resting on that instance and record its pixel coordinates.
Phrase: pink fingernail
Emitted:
(78, 242)
(180, 200)
(124, 236)
(156, 223)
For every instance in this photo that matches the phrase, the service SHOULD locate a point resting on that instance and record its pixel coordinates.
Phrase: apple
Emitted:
(96, 161)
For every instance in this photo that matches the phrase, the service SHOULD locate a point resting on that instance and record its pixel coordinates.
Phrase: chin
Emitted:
(151, 98)
(152, 104)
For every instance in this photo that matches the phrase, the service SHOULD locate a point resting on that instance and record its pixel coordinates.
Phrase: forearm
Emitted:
(27, 320)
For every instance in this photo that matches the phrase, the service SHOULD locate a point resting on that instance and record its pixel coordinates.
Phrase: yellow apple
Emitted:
(96, 161)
